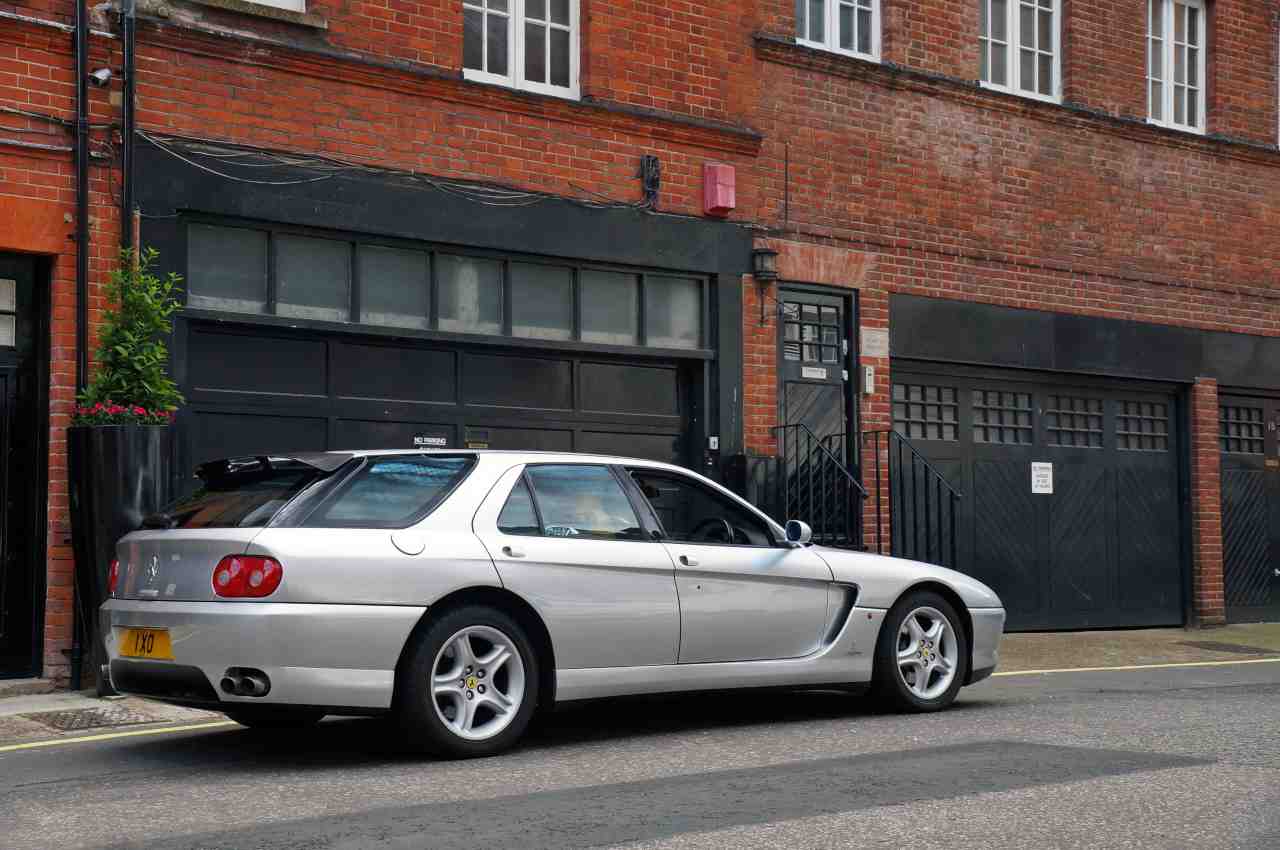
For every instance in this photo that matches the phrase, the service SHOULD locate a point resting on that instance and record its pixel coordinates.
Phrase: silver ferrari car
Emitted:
(461, 592)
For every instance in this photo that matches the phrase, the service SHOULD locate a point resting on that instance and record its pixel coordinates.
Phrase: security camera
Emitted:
(101, 77)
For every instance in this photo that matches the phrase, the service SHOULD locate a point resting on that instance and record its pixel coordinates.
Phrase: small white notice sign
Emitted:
(1042, 479)
(813, 372)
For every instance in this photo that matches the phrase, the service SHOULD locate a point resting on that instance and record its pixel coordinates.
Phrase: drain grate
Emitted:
(89, 718)
(1218, 646)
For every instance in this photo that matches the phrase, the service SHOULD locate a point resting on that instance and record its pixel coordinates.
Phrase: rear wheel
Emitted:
(922, 656)
(469, 684)
(275, 717)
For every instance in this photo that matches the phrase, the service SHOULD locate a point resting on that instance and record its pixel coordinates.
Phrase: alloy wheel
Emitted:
(927, 652)
(478, 682)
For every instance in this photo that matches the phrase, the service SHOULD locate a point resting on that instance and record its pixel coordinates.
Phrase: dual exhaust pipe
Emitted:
(245, 682)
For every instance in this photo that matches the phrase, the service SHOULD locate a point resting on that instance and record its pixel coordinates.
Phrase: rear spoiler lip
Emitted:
(323, 461)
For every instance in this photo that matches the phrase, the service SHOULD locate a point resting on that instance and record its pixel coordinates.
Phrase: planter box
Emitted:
(117, 475)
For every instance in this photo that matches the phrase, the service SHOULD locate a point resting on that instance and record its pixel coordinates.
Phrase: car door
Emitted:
(566, 538)
(744, 595)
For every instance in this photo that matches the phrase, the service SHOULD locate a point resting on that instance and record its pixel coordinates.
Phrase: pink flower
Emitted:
(139, 410)
(97, 408)
(115, 410)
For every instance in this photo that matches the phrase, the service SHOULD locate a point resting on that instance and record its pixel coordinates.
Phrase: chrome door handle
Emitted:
(688, 562)
(512, 553)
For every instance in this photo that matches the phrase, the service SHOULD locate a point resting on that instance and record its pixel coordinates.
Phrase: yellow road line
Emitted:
(1231, 663)
(110, 736)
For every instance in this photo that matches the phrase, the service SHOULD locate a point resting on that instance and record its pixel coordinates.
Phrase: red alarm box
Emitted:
(718, 189)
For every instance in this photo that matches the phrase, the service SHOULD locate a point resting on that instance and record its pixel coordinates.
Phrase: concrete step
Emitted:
(26, 687)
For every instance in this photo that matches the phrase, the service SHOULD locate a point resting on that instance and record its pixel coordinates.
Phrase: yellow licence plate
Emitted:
(146, 643)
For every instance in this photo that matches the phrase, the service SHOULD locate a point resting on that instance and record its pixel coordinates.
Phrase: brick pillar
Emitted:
(875, 412)
(1206, 506)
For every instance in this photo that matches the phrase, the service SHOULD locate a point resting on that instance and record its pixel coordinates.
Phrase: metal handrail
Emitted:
(814, 477)
(935, 483)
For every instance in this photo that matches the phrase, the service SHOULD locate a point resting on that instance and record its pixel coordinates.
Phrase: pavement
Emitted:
(1175, 744)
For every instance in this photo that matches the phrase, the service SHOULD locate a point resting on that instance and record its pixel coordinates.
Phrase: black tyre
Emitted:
(468, 685)
(922, 655)
(275, 717)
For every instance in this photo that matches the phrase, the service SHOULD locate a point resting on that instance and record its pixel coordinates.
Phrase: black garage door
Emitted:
(1094, 541)
(1250, 444)
(252, 389)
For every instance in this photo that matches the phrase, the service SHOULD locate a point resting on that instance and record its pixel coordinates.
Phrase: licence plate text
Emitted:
(146, 643)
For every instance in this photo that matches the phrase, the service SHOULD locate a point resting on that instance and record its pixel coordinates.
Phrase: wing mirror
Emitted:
(798, 533)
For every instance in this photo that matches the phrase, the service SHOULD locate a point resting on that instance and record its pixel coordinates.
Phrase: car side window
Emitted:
(582, 501)
(692, 513)
(392, 492)
(518, 515)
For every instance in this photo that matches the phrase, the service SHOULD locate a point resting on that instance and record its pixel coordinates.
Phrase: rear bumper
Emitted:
(988, 628)
(342, 656)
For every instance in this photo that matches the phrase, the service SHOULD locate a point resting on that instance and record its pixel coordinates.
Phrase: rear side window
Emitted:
(518, 515)
(582, 501)
(391, 492)
(242, 494)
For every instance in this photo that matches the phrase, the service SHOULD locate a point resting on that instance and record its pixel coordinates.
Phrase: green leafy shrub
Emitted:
(130, 382)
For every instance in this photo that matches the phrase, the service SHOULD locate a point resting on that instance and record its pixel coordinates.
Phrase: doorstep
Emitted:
(26, 687)
(1064, 650)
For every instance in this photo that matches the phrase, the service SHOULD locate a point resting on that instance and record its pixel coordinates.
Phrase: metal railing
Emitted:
(922, 504)
(816, 486)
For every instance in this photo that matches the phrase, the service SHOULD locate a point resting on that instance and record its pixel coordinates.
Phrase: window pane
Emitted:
(560, 11)
(983, 22)
(473, 39)
(610, 307)
(1000, 20)
(1157, 101)
(1193, 66)
(1027, 25)
(518, 515)
(535, 9)
(395, 288)
(470, 292)
(1179, 101)
(9, 295)
(984, 64)
(694, 513)
(1179, 65)
(846, 27)
(560, 58)
(999, 73)
(8, 331)
(1179, 22)
(497, 5)
(1046, 31)
(393, 492)
(535, 53)
(864, 30)
(817, 19)
(313, 278)
(1157, 18)
(226, 268)
(1046, 74)
(583, 501)
(1027, 71)
(497, 26)
(238, 493)
(1155, 57)
(801, 5)
(673, 312)
(1193, 26)
(541, 301)
(1193, 109)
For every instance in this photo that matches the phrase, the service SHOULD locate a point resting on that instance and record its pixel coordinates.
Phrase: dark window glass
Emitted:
(518, 515)
(392, 492)
(1142, 426)
(583, 501)
(692, 513)
(497, 27)
(470, 294)
(673, 312)
(1240, 429)
(473, 39)
(237, 493)
(1074, 421)
(610, 307)
(313, 278)
(535, 53)
(926, 412)
(226, 268)
(1002, 417)
(541, 301)
(395, 288)
(560, 57)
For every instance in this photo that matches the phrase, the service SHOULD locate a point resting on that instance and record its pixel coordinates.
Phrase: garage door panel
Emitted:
(1082, 573)
(627, 388)
(661, 447)
(1246, 538)
(256, 364)
(1005, 551)
(525, 439)
(1147, 516)
(219, 435)
(508, 380)
(366, 434)
(394, 373)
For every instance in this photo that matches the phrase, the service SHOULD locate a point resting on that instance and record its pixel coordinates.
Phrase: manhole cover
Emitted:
(1218, 646)
(89, 718)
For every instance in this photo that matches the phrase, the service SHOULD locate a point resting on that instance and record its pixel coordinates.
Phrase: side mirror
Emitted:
(798, 533)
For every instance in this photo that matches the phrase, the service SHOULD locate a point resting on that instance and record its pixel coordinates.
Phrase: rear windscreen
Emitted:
(238, 496)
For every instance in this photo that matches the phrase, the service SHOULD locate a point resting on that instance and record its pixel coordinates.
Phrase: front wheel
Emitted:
(922, 656)
(469, 684)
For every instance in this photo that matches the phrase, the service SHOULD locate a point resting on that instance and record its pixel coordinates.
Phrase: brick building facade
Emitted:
(1057, 277)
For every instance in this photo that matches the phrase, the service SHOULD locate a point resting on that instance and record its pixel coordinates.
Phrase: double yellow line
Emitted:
(222, 724)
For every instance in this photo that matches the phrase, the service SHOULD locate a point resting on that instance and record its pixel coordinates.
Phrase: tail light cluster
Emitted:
(113, 576)
(246, 576)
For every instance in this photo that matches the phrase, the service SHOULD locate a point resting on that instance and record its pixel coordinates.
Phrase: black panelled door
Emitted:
(1070, 491)
(18, 534)
(813, 367)
(1249, 438)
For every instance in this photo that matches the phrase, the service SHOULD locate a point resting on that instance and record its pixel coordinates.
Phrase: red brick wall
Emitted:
(1206, 505)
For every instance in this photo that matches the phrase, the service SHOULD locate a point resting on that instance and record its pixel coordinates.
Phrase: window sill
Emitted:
(1029, 95)
(1177, 128)
(874, 58)
(474, 76)
(258, 10)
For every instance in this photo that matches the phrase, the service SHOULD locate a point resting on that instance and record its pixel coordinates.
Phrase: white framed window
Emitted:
(523, 44)
(851, 27)
(291, 5)
(1175, 63)
(1020, 47)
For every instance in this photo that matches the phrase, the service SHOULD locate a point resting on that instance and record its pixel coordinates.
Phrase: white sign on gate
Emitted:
(1042, 479)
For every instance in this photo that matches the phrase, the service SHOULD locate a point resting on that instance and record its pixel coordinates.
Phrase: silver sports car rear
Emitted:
(464, 590)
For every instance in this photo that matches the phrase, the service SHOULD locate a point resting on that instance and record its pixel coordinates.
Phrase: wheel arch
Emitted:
(512, 604)
(962, 611)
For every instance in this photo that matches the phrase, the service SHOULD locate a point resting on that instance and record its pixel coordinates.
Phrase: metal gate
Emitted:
(1250, 448)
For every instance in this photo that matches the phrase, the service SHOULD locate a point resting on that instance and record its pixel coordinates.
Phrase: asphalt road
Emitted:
(1156, 758)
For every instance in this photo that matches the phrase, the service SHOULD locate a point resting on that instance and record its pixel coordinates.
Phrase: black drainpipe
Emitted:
(82, 270)
(128, 25)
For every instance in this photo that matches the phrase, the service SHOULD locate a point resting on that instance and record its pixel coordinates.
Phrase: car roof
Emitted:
(515, 455)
